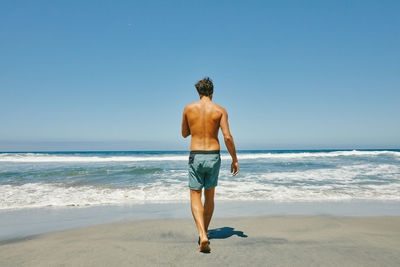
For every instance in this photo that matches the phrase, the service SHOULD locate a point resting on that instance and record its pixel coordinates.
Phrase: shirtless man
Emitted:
(202, 120)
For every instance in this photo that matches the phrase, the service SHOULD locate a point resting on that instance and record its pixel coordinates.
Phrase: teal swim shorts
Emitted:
(204, 169)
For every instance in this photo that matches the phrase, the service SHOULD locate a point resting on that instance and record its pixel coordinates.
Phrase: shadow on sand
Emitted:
(224, 232)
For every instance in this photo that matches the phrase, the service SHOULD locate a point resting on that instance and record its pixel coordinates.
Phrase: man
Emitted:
(202, 120)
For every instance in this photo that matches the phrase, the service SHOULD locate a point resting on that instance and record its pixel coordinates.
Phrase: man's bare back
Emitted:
(203, 119)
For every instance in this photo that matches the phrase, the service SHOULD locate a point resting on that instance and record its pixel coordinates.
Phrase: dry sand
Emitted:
(244, 241)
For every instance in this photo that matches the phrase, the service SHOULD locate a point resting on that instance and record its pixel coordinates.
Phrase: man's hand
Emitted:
(234, 168)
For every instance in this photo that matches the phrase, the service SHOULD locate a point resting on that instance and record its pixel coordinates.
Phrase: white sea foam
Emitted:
(346, 174)
(318, 154)
(330, 184)
(45, 194)
(42, 157)
(42, 195)
(39, 157)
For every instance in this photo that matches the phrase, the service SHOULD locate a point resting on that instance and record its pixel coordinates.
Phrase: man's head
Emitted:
(205, 87)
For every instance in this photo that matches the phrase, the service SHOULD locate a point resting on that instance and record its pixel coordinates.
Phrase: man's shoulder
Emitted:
(190, 106)
(196, 104)
(219, 108)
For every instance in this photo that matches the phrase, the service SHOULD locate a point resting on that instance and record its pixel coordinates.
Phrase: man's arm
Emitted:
(185, 124)
(230, 145)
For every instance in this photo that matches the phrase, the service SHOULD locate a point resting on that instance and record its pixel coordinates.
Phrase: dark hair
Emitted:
(205, 86)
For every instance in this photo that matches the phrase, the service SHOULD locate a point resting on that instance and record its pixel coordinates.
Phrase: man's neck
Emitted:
(205, 98)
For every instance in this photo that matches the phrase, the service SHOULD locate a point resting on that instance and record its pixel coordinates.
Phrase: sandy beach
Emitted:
(251, 241)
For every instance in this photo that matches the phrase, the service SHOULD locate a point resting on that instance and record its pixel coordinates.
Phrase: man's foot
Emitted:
(198, 241)
(204, 246)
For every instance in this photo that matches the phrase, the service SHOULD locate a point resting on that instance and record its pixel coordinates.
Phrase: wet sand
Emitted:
(242, 241)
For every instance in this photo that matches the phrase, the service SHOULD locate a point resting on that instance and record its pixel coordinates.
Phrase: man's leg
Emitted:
(198, 216)
(208, 206)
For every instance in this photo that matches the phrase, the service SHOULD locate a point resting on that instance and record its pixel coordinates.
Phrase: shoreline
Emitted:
(292, 240)
(21, 223)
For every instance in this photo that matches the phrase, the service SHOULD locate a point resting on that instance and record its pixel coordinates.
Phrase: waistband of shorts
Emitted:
(204, 152)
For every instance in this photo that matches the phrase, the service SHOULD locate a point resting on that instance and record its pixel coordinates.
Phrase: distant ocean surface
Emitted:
(41, 179)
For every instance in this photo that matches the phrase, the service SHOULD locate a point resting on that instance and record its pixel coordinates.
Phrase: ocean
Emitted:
(81, 179)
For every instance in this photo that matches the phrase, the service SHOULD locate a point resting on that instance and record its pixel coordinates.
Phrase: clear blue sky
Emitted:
(117, 74)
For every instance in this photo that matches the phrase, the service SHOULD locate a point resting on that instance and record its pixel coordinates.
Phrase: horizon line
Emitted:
(222, 150)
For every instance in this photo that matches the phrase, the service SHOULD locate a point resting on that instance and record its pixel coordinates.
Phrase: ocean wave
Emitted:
(358, 153)
(39, 157)
(43, 157)
(353, 175)
(58, 195)
(350, 174)
(79, 172)
(52, 194)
